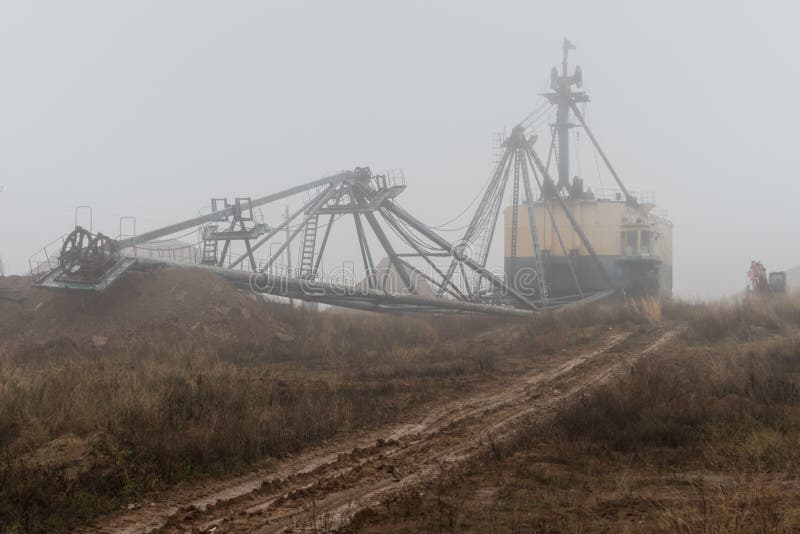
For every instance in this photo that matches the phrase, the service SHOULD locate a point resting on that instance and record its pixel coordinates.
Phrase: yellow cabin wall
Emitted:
(600, 220)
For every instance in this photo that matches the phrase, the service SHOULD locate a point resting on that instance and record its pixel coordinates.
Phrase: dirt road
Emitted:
(325, 487)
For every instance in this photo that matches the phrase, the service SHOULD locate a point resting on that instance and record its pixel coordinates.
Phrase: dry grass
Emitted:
(744, 320)
(162, 405)
(157, 409)
(744, 401)
(550, 332)
(701, 437)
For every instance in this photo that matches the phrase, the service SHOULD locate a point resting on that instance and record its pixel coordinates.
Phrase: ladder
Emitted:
(309, 246)
(209, 249)
(553, 153)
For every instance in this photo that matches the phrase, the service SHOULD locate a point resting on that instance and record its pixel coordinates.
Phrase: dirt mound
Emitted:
(191, 301)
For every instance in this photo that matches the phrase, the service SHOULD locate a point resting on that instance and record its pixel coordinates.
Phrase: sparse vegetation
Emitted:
(550, 332)
(150, 413)
(90, 424)
(702, 436)
(744, 320)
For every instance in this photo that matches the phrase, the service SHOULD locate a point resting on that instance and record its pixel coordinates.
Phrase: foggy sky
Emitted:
(149, 108)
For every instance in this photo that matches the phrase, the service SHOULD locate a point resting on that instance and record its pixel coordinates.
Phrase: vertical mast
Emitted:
(562, 121)
(566, 100)
(562, 117)
(563, 97)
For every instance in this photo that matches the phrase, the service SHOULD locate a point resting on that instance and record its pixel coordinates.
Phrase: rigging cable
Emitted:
(594, 154)
(481, 192)
(578, 153)
(535, 111)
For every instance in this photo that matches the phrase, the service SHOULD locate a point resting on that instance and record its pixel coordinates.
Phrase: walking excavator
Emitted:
(759, 283)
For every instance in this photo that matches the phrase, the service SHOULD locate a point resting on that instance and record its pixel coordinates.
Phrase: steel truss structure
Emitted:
(520, 164)
(425, 271)
(565, 96)
(93, 262)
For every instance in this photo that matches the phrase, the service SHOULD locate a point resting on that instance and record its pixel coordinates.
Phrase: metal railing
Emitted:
(45, 259)
(394, 178)
(615, 195)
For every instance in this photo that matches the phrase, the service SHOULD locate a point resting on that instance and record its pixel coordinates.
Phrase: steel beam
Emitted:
(419, 253)
(319, 291)
(333, 180)
(272, 233)
(361, 199)
(433, 281)
(387, 246)
(315, 204)
(537, 251)
(221, 259)
(366, 256)
(549, 209)
(442, 243)
(577, 227)
(322, 246)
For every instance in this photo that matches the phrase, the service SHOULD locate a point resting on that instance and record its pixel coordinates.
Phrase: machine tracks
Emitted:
(323, 488)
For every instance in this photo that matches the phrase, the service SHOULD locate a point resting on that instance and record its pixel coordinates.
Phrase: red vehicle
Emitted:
(760, 284)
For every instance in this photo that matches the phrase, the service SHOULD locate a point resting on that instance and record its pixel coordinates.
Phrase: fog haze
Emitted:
(151, 108)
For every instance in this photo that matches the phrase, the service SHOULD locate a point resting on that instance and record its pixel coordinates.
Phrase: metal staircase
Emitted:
(553, 153)
(209, 246)
(309, 246)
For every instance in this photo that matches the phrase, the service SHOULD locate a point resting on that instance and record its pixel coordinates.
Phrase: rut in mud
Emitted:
(326, 487)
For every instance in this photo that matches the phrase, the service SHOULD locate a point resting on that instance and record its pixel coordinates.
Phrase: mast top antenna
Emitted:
(567, 46)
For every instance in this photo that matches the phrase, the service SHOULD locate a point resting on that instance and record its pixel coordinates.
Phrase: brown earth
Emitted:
(337, 484)
(167, 299)
(174, 377)
(371, 420)
(700, 437)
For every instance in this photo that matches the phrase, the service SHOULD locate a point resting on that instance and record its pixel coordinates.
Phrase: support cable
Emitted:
(630, 199)
(537, 251)
(572, 220)
(564, 251)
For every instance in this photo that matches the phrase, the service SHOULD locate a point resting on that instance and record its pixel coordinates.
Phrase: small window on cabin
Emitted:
(647, 240)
